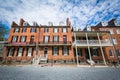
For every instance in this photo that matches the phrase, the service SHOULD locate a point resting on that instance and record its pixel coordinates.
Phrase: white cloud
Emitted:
(80, 12)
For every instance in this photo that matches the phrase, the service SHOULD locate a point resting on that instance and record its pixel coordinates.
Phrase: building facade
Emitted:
(39, 44)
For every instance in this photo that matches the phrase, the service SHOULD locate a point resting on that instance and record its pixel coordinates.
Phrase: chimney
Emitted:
(21, 22)
(68, 23)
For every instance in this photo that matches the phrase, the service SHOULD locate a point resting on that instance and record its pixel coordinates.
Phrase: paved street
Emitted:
(58, 73)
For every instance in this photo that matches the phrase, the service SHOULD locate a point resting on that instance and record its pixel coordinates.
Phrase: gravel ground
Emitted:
(58, 73)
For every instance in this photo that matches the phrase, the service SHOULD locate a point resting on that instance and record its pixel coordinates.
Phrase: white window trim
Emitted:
(20, 51)
(56, 38)
(14, 39)
(29, 52)
(46, 30)
(10, 51)
(46, 39)
(65, 52)
(23, 38)
(64, 30)
(55, 51)
(55, 30)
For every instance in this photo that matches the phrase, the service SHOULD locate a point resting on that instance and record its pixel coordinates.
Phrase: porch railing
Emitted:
(93, 42)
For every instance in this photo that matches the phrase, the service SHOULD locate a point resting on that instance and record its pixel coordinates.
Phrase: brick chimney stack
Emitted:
(68, 23)
(21, 22)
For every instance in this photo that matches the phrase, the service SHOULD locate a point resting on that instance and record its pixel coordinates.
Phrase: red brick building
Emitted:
(63, 44)
(40, 43)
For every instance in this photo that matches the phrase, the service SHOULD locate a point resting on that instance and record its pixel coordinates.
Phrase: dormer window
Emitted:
(25, 24)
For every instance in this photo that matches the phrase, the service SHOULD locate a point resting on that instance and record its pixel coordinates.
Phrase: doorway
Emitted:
(87, 54)
(45, 51)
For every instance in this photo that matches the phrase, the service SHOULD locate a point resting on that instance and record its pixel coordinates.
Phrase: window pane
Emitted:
(95, 52)
(110, 53)
(20, 51)
(45, 29)
(14, 39)
(11, 52)
(16, 30)
(64, 30)
(23, 39)
(55, 50)
(55, 30)
(24, 30)
(29, 51)
(118, 52)
(55, 38)
(65, 51)
(33, 30)
(46, 38)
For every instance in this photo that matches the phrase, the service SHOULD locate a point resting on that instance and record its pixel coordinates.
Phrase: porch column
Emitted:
(76, 50)
(88, 48)
(114, 49)
(101, 49)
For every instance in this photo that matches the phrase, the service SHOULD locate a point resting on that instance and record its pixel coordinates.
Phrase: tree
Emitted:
(3, 32)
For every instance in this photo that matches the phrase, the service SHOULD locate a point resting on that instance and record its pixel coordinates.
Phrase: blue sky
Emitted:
(80, 12)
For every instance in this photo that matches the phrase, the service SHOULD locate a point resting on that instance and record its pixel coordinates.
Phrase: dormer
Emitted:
(50, 24)
(88, 28)
(25, 24)
(35, 23)
(61, 23)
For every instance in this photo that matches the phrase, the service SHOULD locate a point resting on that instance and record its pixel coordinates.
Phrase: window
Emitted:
(24, 30)
(33, 29)
(111, 53)
(114, 41)
(64, 39)
(80, 52)
(29, 52)
(11, 52)
(25, 24)
(20, 51)
(118, 52)
(16, 30)
(55, 38)
(118, 31)
(64, 29)
(65, 50)
(111, 31)
(14, 39)
(55, 30)
(23, 38)
(46, 29)
(55, 50)
(46, 39)
(31, 39)
(95, 52)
